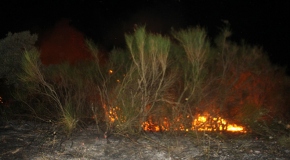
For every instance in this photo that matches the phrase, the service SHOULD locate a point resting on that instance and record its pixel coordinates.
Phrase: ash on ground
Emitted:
(38, 141)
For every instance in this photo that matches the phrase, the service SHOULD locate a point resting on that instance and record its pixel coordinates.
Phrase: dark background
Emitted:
(263, 23)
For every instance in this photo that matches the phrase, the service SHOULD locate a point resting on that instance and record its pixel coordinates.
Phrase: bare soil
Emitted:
(41, 141)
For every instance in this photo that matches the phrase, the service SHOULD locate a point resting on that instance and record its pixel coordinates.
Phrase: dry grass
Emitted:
(155, 79)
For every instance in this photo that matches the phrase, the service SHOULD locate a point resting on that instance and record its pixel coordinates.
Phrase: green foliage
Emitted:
(69, 119)
(157, 78)
(195, 44)
(67, 91)
(145, 81)
(11, 51)
(197, 49)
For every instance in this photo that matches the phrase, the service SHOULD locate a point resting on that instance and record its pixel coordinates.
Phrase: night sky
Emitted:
(263, 23)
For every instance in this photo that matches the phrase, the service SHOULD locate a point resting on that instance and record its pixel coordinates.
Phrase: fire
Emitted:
(235, 128)
(200, 123)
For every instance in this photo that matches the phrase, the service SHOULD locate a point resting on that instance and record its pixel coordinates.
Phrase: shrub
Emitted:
(61, 89)
(159, 83)
(11, 51)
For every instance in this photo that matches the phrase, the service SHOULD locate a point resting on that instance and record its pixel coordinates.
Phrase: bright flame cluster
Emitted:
(201, 123)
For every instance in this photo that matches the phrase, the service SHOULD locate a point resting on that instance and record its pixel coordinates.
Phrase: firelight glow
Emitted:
(200, 123)
(235, 128)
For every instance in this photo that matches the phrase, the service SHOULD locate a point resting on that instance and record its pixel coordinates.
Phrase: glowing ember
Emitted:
(235, 128)
(111, 113)
(201, 123)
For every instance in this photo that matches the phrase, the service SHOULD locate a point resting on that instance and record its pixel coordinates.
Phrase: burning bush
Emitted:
(159, 84)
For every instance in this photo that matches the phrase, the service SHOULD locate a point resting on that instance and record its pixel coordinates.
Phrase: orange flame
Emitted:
(200, 123)
(235, 128)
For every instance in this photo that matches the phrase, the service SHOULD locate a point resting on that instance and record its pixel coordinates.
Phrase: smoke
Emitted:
(63, 43)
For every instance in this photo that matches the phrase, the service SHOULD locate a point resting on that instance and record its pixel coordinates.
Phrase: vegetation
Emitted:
(159, 83)
(11, 51)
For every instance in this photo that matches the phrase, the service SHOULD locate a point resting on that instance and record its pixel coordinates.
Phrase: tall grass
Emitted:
(165, 81)
(194, 57)
(63, 89)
